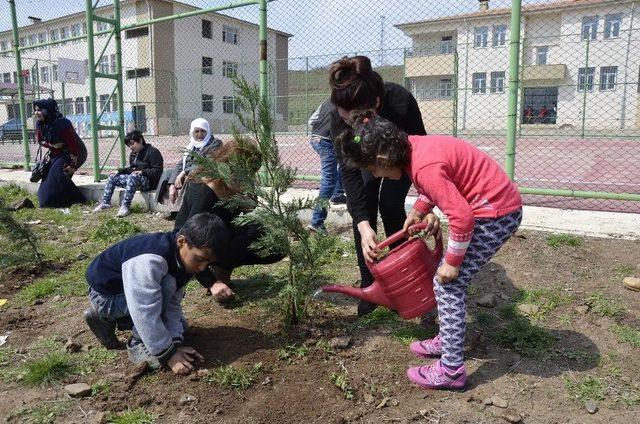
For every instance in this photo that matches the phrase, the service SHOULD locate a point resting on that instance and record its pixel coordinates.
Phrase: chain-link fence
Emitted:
(578, 109)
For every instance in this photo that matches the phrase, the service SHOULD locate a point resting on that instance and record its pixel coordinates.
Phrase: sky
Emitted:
(319, 27)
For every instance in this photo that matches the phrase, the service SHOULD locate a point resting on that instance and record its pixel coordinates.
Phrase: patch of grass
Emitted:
(508, 311)
(341, 381)
(37, 290)
(235, 378)
(95, 358)
(114, 229)
(557, 240)
(483, 319)
(546, 299)
(12, 193)
(47, 370)
(379, 316)
(132, 416)
(292, 352)
(603, 306)
(585, 389)
(526, 339)
(623, 271)
(101, 387)
(565, 319)
(627, 334)
(41, 414)
(5, 355)
(71, 283)
(408, 334)
(576, 354)
(324, 346)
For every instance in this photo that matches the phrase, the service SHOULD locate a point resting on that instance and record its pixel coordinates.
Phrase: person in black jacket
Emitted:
(208, 195)
(143, 173)
(356, 87)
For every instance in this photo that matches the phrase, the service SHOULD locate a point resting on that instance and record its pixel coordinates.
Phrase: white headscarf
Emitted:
(196, 144)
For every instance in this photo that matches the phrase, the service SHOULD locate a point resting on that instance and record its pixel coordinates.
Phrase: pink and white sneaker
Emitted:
(427, 348)
(435, 376)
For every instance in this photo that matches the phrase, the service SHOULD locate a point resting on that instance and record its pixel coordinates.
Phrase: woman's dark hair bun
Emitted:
(354, 84)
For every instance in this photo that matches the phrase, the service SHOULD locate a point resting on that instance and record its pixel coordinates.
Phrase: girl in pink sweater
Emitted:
(484, 209)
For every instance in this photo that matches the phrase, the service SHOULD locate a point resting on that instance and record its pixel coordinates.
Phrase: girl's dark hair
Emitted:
(373, 141)
(135, 135)
(206, 231)
(354, 85)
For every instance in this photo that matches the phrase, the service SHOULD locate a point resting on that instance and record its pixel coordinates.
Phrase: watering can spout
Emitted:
(373, 293)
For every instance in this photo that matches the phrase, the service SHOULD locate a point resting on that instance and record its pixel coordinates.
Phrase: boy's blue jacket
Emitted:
(147, 270)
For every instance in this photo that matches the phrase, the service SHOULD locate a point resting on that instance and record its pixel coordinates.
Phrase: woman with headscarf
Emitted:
(67, 153)
(201, 142)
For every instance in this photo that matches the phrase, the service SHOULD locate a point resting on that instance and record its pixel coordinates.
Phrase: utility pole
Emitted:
(382, 40)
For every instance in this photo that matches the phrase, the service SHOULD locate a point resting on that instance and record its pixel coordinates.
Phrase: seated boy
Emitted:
(143, 173)
(139, 283)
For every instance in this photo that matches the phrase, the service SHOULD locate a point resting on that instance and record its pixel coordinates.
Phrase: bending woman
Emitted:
(356, 87)
(208, 195)
(67, 153)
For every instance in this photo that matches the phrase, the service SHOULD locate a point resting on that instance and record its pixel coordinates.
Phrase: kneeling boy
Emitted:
(138, 284)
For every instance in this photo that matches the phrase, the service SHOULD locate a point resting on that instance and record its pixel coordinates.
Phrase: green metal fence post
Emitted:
(585, 87)
(23, 109)
(120, 91)
(92, 90)
(521, 97)
(514, 83)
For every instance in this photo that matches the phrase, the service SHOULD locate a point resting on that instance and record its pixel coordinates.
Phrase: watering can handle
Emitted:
(400, 235)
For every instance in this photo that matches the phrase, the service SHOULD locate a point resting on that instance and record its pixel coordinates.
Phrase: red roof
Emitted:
(562, 4)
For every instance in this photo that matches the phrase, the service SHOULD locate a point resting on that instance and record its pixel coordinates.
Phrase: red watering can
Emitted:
(403, 278)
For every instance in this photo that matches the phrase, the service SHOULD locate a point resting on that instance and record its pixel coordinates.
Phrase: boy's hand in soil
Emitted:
(447, 273)
(416, 217)
(182, 361)
(221, 292)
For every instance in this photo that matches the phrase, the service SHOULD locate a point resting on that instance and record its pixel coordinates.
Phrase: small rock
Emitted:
(36, 222)
(512, 416)
(87, 347)
(504, 296)
(77, 390)
(528, 308)
(81, 256)
(499, 402)
(341, 342)
(56, 298)
(591, 406)
(514, 359)
(487, 301)
(267, 381)
(72, 346)
(203, 373)
(626, 379)
(395, 402)
(487, 401)
(38, 302)
(368, 398)
(186, 399)
(98, 417)
(582, 309)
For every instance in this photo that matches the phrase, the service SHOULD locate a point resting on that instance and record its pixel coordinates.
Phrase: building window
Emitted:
(207, 103)
(138, 73)
(42, 38)
(585, 78)
(230, 69)
(446, 88)
(446, 45)
(589, 27)
(22, 41)
(114, 102)
(64, 33)
(101, 26)
(27, 76)
(76, 30)
(15, 77)
(103, 64)
(499, 35)
(542, 54)
(479, 82)
(481, 37)
(6, 77)
(4, 45)
(207, 65)
(33, 39)
(229, 34)
(612, 25)
(137, 32)
(44, 74)
(104, 103)
(79, 106)
(54, 35)
(206, 29)
(608, 77)
(228, 104)
(54, 72)
(497, 82)
(112, 63)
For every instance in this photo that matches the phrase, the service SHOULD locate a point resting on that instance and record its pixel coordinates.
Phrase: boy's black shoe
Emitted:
(339, 200)
(365, 308)
(103, 329)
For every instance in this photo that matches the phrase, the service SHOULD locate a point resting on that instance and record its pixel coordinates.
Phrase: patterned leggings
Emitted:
(488, 237)
(130, 182)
